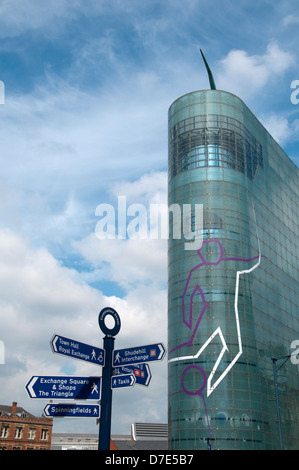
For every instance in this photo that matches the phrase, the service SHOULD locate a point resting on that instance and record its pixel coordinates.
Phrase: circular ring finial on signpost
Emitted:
(105, 329)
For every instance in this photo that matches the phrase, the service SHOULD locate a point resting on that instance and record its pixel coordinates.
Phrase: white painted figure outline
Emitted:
(188, 320)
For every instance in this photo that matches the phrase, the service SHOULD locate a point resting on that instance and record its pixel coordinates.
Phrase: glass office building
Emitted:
(233, 301)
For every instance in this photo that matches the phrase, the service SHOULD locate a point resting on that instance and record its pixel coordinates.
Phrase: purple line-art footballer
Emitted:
(191, 289)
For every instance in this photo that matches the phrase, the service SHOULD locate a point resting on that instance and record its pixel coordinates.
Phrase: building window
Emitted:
(31, 433)
(223, 142)
(44, 434)
(4, 430)
(18, 432)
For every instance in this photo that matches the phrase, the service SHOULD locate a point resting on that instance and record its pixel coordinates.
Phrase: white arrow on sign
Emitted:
(30, 387)
(162, 351)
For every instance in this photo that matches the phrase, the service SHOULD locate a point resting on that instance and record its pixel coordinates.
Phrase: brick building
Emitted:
(20, 430)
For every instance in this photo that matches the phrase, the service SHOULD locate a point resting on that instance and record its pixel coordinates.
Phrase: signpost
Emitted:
(64, 388)
(122, 368)
(106, 402)
(77, 350)
(139, 354)
(142, 373)
(69, 410)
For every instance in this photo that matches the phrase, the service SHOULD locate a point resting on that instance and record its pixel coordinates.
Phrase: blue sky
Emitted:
(88, 84)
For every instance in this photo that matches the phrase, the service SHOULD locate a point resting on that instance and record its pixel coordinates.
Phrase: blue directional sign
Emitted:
(68, 410)
(77, 350)
(64, 387)
(139, 354)
(123, 381)
(141, 371)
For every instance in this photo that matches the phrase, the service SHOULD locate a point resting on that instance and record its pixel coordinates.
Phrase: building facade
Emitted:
(20, 430)
(144, 436)
(233, 301)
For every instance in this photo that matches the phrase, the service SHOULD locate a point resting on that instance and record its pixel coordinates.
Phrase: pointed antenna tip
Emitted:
(211, 78)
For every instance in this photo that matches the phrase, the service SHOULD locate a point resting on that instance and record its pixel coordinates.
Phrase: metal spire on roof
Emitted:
(211, 78)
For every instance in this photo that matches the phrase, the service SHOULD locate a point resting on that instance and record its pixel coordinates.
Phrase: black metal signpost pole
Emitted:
(106, 400)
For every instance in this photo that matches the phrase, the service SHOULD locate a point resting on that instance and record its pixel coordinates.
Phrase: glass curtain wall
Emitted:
(233, 302)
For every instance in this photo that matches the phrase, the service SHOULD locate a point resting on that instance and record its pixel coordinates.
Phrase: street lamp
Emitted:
(275, 370)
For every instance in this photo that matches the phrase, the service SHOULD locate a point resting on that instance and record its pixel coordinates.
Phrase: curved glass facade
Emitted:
(233, 303)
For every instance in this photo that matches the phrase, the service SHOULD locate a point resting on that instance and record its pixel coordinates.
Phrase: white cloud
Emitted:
(126, 262)
(58, 147)
(132, 261)
(281, 128)
(38, 292)
(150, 188)
(245, 75)
(278, 127)
(40, 297)
(290, 20)
(18, 17)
